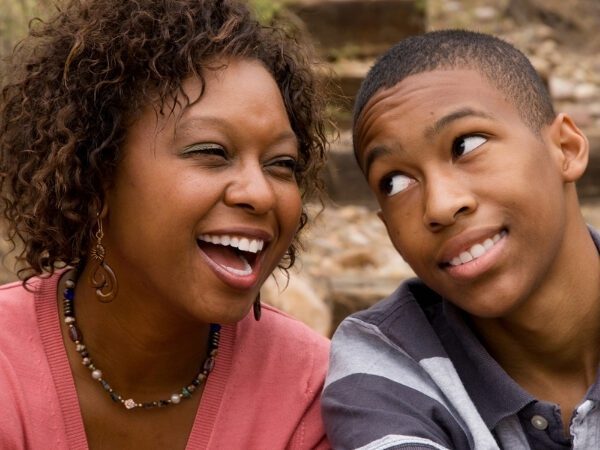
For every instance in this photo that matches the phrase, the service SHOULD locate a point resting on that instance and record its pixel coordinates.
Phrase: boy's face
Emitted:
(472, 198)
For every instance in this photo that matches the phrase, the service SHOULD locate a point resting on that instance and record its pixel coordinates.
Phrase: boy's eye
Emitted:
(394, 183)
(466, 144)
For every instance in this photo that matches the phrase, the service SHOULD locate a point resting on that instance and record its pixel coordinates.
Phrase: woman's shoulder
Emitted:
(282, 342)
(16, 303)
(19, 312)
(290, 331)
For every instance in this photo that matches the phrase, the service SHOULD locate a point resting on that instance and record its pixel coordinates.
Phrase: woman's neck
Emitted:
(139, 344)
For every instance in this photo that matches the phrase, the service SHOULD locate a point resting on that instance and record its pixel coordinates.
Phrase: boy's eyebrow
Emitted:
(430, 132)
(446, 120)
(375, 153)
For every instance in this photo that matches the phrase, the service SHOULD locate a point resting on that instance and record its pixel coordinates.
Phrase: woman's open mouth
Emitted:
(234, 258)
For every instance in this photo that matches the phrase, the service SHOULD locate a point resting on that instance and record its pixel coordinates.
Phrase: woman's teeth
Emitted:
(477, 250)
(247, 270)
(243, 244)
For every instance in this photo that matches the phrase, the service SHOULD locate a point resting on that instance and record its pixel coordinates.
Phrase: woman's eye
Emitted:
(208, 149)
(288, 163)
(466, 144)
(393, 184)
(283, 166)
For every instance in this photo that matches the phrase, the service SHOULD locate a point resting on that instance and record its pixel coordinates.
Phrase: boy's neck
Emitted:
(557, 329)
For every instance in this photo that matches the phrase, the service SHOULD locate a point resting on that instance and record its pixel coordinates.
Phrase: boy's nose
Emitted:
(446, 198)
(251, 190)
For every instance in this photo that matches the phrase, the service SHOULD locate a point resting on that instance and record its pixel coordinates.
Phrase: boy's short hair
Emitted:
(503, 65)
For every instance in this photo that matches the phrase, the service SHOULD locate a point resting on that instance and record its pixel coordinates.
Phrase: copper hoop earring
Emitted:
(102, 277)
(256, 308)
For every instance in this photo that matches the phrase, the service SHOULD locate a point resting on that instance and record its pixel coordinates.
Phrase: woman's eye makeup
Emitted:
(394, 183)
(210, 149)
(286, 166)
(467, 143)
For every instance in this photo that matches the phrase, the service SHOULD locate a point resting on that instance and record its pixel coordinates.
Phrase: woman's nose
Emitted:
(251, 190)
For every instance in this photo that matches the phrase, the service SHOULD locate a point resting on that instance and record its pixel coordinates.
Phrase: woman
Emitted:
(154, 156)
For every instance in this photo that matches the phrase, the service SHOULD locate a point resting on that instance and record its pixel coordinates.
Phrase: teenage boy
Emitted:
(497, 344)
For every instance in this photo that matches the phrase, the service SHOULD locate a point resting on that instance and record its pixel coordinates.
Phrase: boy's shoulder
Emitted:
(390, 361)
(406, 319)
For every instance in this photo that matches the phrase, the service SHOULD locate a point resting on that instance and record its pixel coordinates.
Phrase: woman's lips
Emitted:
(234, 259)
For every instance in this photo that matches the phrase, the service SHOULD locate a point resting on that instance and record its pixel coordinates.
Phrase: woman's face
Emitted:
(205, 204)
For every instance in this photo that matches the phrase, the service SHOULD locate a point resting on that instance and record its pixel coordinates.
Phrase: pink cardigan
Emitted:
(278, 409)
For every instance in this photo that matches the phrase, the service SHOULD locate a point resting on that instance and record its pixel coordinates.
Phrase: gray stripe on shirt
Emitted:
(363, 408)
(375, 354)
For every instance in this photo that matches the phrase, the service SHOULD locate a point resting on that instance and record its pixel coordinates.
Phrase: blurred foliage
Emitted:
(271, 12)
(15, 16)
(267, 10)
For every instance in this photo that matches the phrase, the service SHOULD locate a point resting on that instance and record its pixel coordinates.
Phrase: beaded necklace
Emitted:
(185, 393)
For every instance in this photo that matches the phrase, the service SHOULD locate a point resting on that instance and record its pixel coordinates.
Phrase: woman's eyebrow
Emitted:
(187, 125)
(447, 119)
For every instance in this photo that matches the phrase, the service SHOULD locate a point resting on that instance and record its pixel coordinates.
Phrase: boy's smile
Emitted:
(472, 197)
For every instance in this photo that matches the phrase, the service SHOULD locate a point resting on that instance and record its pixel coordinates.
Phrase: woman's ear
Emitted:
(100, 206)
(572, 146)
(104, 210)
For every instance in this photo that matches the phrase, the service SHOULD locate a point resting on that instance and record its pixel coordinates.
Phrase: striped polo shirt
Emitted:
(409, 373)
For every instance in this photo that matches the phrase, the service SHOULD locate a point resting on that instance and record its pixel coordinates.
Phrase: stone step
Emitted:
(346, 184)
(359, 28)
(348, 294)
(344, 181)
(348, 75)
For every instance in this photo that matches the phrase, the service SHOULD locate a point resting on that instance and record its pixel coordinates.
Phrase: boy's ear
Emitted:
(572, 145)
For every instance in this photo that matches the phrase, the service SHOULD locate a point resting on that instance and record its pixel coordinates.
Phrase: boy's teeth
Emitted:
(465, 257)
(243, 244)
(476, 250)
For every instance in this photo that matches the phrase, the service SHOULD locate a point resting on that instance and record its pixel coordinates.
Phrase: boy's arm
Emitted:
(377, 397)
(371, 413)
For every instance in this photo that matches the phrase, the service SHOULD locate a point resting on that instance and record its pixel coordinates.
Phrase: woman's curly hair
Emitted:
(76, 81)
